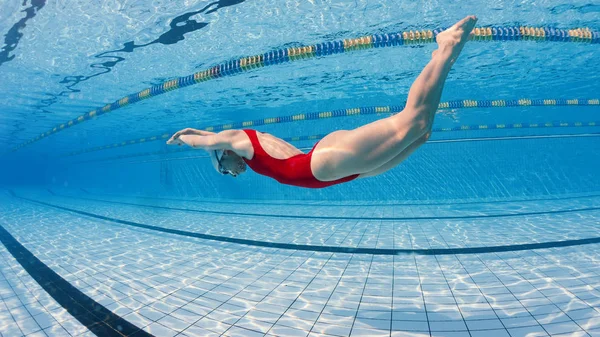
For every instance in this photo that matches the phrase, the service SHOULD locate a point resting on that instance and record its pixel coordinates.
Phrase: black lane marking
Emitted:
(88, 312)
(333, 249)
(312, 217)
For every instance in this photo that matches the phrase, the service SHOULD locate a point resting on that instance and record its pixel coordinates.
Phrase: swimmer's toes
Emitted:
(466, 25)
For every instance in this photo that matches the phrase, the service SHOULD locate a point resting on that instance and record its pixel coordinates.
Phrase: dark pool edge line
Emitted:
(93, 315)
(333, 249)
(310, 217)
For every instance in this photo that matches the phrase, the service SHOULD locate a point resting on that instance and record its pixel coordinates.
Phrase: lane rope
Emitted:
(243, 64)
(362, 111)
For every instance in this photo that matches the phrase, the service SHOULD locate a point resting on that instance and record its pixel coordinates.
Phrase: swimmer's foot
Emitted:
(452, 40)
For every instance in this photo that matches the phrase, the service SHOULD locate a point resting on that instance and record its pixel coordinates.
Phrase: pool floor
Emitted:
(81, 263)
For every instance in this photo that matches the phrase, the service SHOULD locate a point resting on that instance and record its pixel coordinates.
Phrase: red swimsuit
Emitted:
(292, 171)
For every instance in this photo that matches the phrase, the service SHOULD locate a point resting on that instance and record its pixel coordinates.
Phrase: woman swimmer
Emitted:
(342, 155)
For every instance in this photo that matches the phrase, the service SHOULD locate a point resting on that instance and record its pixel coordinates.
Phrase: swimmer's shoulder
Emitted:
(238, 141)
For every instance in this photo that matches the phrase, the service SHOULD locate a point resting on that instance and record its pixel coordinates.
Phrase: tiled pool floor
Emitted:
(169, 284)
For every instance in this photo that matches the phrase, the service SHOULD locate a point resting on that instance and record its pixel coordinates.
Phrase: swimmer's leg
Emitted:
(397, 159)
(369, 147)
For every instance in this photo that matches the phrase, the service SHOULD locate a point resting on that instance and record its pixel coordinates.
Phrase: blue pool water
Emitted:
(491, 228)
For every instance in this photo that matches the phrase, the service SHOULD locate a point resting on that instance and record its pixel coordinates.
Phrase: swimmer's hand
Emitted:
(190, 140)
(175, 140)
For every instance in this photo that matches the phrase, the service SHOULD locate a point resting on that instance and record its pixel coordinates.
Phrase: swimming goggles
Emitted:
(221, 169)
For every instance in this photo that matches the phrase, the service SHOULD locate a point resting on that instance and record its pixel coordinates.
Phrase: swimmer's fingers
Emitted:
(176, 135)
(174, 140)
(186, 131)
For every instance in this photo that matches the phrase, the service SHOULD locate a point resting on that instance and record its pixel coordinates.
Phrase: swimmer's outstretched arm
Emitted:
(208, 141)
(190, 131)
